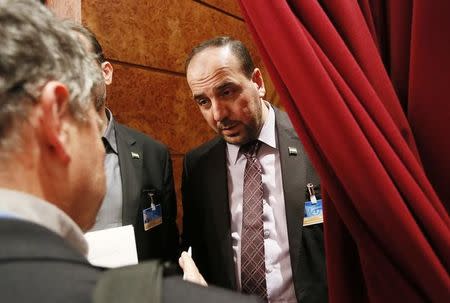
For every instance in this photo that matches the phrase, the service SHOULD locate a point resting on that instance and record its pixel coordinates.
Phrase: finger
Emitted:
(188, 263)
(181, 260)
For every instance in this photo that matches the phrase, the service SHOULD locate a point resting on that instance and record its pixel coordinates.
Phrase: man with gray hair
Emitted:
(50, 187)
(50, 190)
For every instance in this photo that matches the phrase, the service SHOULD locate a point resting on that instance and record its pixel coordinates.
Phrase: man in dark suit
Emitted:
(139, 175)
(52, 178)
(285, 259)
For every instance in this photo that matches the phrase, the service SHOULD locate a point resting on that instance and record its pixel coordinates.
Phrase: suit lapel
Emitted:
(294, 181)
(131, 173)
(217, 192)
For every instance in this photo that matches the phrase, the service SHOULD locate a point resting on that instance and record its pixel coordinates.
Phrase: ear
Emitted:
(259, 82)
(107, 71)
(54, 104)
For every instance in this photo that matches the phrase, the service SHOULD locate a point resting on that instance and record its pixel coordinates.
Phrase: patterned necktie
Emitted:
(253, 267)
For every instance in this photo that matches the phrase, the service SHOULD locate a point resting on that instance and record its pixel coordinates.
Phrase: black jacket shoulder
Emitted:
(38, 265)
(206, 148)
(140, 137)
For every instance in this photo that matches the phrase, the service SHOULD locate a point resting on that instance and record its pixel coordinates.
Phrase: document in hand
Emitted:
(112, 247)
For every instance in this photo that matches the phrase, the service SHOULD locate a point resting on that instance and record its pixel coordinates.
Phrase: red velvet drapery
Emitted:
(347, 72)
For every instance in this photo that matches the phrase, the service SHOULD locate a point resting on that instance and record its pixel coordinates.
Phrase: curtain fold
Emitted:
(336, 66)
(428, 91)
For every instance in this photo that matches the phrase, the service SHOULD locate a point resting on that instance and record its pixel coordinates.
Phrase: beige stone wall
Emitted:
(66, 9)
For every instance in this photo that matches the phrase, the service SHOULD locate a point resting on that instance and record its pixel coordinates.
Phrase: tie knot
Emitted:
(250, 149)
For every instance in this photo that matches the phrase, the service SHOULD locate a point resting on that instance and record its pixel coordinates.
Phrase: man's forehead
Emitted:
(211, 63)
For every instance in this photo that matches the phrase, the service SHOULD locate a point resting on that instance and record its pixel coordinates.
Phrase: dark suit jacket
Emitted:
(37, 265)
(207, 216)
(151, 171)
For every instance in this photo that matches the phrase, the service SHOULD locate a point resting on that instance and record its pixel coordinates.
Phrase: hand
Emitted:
(190, 270)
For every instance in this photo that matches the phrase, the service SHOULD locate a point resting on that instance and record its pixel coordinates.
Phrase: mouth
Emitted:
(228, 129)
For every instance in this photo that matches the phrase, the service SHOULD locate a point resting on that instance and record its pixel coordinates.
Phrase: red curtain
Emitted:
(349, 73)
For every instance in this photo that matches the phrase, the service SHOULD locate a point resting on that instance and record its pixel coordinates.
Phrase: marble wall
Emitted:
(147, 43)
(66, 9)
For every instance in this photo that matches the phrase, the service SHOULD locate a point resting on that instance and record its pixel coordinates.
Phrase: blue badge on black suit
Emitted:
(313, 208)
(153, 214)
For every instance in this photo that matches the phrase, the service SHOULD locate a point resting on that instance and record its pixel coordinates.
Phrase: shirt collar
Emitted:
(267, 135)
(110, 132)
(30, 208)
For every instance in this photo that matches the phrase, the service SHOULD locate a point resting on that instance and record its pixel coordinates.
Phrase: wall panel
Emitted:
(158, 104)
(229, 7)
(66, 9)
(158, 33)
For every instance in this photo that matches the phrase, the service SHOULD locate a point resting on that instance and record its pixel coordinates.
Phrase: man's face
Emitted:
(229, 101)
(87, 173)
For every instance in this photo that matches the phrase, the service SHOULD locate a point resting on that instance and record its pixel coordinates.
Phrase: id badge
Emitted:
(152, 216)
(313, 213)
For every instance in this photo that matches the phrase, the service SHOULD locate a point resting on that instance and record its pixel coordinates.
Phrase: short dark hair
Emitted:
(92, 39)
(90, 42)
(237, 47)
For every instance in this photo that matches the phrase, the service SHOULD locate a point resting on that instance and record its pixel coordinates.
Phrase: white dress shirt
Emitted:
(280, 286)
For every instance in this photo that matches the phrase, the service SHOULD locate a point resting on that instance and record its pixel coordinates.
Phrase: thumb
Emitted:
(182, 260)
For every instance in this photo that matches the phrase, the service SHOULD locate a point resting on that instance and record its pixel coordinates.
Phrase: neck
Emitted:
(265, 110)
(264, 114)
(19, 173)
(104, 118)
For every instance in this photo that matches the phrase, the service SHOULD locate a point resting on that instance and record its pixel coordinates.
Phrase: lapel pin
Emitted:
(134, 155)
(292, 151)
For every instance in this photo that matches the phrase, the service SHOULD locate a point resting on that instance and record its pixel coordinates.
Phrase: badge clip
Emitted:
(152, 201)
(312, 193)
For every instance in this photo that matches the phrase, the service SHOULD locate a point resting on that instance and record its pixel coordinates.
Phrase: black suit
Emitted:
(38, 265)
(145, 164)
(207, 216)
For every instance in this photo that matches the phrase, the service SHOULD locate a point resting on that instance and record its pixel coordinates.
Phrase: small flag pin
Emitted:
(292, 151)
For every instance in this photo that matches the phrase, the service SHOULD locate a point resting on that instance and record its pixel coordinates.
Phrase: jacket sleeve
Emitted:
(172, 240)
(187, 220)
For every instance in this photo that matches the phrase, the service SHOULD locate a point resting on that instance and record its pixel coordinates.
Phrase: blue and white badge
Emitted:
(313, 213)
(313, 208)
(152, 215)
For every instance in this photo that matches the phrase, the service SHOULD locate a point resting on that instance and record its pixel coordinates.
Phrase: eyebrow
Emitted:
(217, 88)
(198, 96)
(223, 85)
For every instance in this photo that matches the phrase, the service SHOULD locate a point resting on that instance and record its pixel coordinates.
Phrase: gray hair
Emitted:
(37, 48)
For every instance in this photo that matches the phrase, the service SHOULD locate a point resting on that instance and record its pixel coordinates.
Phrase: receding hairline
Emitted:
(237, 48)
(212, 48)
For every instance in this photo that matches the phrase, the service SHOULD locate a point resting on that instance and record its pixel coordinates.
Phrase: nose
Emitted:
(220, 111)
